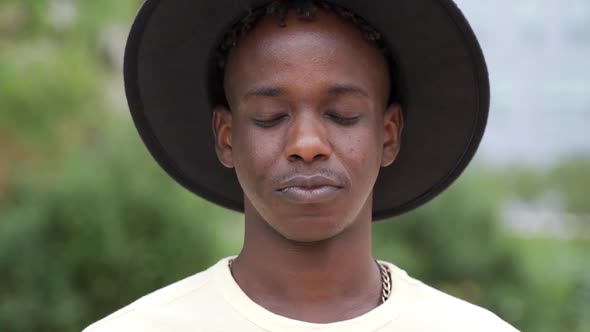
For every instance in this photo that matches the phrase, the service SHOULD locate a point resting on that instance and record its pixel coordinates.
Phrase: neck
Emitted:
(329, 280)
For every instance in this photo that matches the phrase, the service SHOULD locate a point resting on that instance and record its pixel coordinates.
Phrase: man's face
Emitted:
(309, 125)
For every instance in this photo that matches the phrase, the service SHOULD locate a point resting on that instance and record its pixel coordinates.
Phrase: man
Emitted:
(311, 104)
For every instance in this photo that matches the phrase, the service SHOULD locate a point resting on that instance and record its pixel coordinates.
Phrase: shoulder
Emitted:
(146, 313)
(434, 310)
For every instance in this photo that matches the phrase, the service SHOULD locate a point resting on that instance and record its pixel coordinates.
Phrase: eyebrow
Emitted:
(336, 90)
(344, 89)
(264, 91)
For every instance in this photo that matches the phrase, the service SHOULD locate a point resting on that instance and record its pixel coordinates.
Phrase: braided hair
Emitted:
(305, 10)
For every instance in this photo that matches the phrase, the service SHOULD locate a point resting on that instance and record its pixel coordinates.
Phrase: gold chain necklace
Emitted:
(385, 279)
(385, 282)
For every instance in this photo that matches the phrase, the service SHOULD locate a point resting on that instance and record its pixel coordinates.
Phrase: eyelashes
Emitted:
(338, 119)
(342, 120)
(269, 123)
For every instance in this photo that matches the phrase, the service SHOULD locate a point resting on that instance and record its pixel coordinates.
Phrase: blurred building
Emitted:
(546, 217)
(537, 53)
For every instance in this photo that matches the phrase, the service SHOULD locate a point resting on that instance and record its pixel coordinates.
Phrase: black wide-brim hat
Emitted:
(442, 77)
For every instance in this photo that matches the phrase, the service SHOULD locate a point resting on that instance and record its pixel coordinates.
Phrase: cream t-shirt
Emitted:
(212, 301)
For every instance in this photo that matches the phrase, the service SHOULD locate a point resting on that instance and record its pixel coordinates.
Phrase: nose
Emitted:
(307, 140)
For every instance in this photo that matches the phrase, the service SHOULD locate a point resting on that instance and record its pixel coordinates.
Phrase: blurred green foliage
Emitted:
(88, 222)
(100, 229)
(457, 243)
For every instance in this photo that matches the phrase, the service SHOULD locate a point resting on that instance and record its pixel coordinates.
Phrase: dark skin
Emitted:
(308, 131)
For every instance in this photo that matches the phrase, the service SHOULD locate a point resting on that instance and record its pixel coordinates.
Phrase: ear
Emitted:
(393, 124)
(222, 132)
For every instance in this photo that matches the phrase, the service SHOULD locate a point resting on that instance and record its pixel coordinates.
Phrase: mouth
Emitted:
(306, 190)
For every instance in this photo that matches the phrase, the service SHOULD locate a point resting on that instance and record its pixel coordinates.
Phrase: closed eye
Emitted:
(270, 122)
(342, 120)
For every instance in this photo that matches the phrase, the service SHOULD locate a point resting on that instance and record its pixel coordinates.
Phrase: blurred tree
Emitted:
(572, 178)
(88, 222)
(102, 230)
(455, 244)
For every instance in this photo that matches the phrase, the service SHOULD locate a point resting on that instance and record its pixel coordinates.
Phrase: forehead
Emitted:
(326, 47)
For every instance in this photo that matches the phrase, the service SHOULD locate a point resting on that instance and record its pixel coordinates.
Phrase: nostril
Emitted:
(307, 140)
(307, 158)
(310, 153)
(295, 157)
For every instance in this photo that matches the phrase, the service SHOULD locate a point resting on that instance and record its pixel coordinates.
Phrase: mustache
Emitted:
(322, 171)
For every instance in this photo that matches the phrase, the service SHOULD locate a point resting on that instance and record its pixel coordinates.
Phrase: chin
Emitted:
(304, 223)
(309, 229)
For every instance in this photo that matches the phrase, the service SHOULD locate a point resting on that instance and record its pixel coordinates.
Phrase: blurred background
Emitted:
(89, 223)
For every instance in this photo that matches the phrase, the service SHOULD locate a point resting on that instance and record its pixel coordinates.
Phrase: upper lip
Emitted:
(309, 182)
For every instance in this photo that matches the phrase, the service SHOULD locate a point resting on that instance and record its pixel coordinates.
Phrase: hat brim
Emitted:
(443, 77)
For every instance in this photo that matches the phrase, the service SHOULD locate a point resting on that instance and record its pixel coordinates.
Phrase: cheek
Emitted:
(359, 148)
(254, 152)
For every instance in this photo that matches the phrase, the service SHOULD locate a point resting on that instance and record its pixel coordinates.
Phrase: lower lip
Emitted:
(310, 195)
